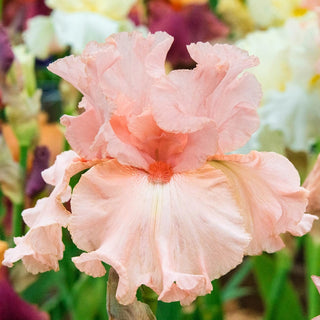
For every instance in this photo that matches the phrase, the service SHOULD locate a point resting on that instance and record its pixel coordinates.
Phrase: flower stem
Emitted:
(18, 207)
(23, 157)
(312, 249)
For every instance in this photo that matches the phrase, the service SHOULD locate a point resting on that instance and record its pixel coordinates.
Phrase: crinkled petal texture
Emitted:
(174, 237)
(137, 114)
(312, 184)
(42, 247)
(216, 93)
(266, 186)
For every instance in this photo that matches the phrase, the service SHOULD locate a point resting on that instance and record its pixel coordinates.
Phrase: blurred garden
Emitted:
(159, 159)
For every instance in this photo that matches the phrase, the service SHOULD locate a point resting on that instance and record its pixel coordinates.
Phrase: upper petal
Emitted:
(174, 237)
(127, 83)
(215, 94)
(266, 186)
(84, 73)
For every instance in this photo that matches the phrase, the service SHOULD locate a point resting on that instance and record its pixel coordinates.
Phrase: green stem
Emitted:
(18, 207)
(17, 219)
(313, 268)
(2, 208)
(23, 159)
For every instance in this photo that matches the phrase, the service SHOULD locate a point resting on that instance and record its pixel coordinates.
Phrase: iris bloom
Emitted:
(290, 105)
(151, 205)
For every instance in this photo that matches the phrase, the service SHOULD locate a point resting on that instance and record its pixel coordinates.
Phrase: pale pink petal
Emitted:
(123, 151)
(199, 146)
(71, 69)
(316, 281)
(266, 186)
(84, 73)
(82, 130)
(42, 247)
(173, 237)
(312, 183)
(216, 93)
(310, 4)
(129, 80)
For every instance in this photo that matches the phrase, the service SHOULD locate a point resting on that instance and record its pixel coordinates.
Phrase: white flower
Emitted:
(267, 13)
(288, 73)
(40, 37)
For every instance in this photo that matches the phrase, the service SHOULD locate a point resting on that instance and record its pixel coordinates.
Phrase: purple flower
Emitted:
(187, 24)
(6, 54)
(12, 307)
(35, 183)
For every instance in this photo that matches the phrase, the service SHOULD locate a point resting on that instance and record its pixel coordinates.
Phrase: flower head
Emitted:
(291, 94)
(151, 205)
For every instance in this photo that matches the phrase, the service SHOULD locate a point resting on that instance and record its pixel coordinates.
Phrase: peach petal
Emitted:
(266, 186)
(84, 73)
(79, 139)
(316, 281)
(199, 146)
(42, 247)
(124, 152)
(72, 69)
(216, 95)
(312, 183)
(169, 236)
(129, 80)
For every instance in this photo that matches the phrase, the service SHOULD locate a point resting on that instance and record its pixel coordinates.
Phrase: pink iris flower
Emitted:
(162, 203)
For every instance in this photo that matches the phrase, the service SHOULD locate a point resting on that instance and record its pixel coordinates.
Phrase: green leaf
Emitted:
(232, 288)
(275, 288)
(170, 311)
(88, 297)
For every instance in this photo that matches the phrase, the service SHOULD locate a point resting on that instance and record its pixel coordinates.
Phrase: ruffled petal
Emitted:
(216, 94)
(312, 184)
(174, 237)
(81, 140)
(266, 186)
(84, 73)
(128, 81)
(42, 247)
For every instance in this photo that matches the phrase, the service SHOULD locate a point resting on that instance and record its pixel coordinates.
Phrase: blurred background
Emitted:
(284, 34)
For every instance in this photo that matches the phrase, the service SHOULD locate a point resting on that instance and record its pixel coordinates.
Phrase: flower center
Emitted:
(160, 172)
